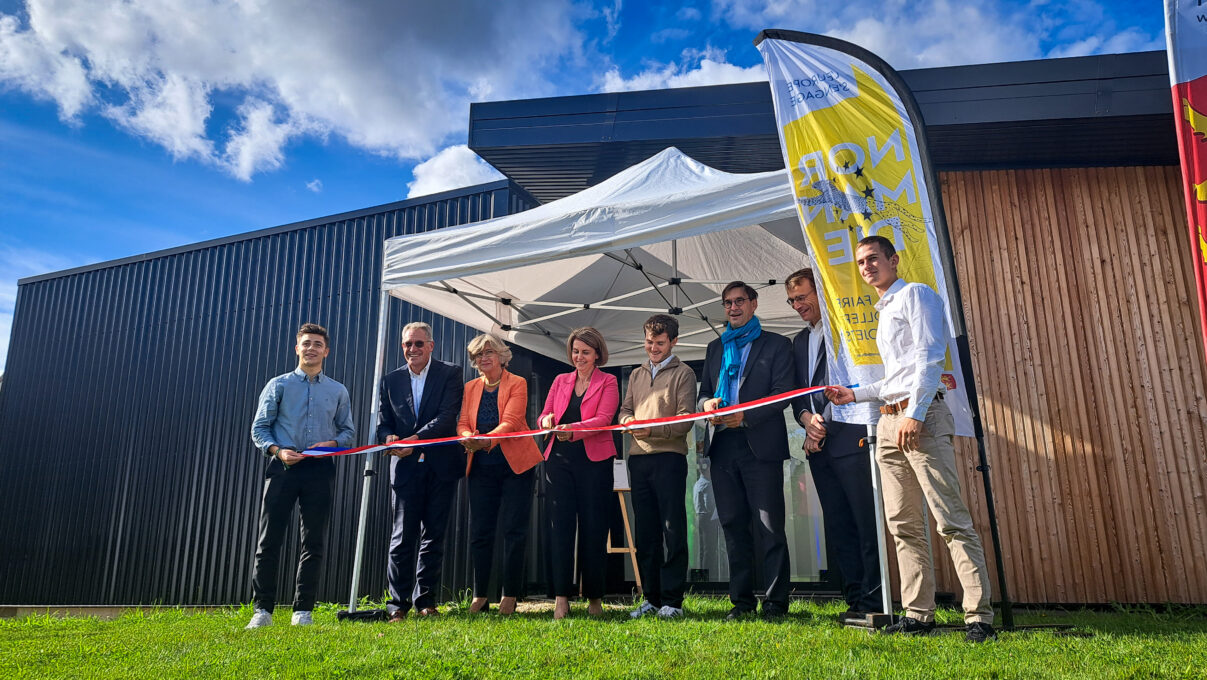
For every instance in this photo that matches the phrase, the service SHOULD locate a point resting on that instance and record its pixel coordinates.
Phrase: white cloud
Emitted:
(452, 168)
(688, 14)
(929, 33)
(612, 18)
(315, 185)
(391, 78)
(694, 68)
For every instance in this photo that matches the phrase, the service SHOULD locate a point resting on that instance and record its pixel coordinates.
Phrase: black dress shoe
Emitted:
(773, 612)
(739, 614)
(907, 626)
(980, 632)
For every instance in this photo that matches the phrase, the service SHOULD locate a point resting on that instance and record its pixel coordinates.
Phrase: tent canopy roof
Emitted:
(663, 236)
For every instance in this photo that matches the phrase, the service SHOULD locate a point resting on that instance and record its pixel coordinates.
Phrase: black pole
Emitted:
(954, 299)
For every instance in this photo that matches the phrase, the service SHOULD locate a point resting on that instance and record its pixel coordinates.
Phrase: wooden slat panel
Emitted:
(1079, 296)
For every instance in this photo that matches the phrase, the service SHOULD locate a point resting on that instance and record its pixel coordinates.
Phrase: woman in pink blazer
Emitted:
(578, 469)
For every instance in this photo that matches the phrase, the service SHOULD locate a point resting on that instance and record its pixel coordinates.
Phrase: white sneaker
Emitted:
(645, 609)
(669, 612)
(301, 619)
(261, 618)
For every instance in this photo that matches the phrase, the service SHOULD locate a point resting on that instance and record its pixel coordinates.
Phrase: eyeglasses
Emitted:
(735, 302)
(417, 344)
(799, 299)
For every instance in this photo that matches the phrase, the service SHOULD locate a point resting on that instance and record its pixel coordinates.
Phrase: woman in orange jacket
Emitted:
(500, 471)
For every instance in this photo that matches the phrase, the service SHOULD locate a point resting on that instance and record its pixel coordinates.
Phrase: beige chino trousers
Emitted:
(928, 475)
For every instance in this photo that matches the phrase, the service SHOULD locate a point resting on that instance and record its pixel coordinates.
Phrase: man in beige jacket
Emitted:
(657, 458)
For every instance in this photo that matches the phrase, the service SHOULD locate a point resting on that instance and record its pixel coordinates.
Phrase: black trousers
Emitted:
(499, 498)
(751, 491)
(577, 493)
(421, 503)
(311, 484)
(659, 484)
(844, 487)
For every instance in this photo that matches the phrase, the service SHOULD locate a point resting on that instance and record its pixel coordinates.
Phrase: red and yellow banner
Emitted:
(1186, 34)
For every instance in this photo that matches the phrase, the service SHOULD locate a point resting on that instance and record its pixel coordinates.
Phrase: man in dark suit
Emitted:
(748, 449)
(838, 460)
(420, 401)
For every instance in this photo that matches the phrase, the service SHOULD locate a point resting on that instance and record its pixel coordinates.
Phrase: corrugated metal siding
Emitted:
(127, 474)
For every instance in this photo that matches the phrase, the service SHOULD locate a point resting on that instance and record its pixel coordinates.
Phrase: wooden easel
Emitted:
(628, 535)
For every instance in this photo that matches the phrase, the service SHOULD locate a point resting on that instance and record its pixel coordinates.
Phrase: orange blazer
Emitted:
(521, 453)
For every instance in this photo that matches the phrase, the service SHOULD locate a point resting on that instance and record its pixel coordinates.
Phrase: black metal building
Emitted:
(127, 475)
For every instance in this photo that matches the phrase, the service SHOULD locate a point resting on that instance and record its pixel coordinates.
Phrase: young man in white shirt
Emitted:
(915, 445)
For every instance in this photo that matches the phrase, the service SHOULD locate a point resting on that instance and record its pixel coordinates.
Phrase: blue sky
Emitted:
(128, 126)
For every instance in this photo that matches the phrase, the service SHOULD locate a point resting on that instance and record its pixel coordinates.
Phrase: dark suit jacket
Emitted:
(438, 413)
(769, 370)
(842, 439)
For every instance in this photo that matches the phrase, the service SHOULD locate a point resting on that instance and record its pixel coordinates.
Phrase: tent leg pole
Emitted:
(383, 311)
(886, 598)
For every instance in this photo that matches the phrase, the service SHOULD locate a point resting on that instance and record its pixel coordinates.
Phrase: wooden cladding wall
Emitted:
(1079, 296)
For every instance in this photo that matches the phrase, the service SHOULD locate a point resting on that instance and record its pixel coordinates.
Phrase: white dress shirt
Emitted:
(815, 332)
(418, 380)
(912, 339)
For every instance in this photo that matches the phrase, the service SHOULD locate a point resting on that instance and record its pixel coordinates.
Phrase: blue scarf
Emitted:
(733, 340)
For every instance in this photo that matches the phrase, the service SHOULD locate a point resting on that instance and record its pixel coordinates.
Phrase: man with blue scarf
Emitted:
(748, 449)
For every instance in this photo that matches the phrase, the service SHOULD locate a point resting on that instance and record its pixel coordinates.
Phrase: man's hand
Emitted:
(840, 395)
(288, 456)
(815, 425)
(400, 453)
(909, 435)
(733, 419)
(812, 445)
(639, 433)
(712, 405)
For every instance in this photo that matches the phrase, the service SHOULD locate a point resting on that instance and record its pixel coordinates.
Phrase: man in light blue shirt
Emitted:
(299, 410)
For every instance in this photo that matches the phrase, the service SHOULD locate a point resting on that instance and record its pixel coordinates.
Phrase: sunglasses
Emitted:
(417, 344)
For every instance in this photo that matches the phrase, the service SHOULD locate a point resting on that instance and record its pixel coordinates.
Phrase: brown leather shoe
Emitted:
(428, 611)
(398, 616)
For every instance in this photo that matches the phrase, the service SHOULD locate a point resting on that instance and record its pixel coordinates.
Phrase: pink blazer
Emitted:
(600, 402)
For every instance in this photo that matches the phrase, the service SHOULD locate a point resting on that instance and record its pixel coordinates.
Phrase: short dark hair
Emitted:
(314, 329)
(750, 292)
(795, 278)
(662, 323)
(886, 246)
(591, 338)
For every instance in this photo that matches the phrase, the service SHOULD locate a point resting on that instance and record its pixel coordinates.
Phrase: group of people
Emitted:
(425, 399)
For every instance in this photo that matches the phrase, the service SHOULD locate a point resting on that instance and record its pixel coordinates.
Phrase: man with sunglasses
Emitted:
(421, 400)
(748, 449)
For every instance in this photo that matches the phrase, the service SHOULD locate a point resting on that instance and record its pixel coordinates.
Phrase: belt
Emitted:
(894, 409)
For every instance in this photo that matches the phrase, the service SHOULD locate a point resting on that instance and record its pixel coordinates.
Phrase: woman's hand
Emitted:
(563, 434)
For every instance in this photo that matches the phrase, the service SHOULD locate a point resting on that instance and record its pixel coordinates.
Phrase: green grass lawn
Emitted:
(809, 643)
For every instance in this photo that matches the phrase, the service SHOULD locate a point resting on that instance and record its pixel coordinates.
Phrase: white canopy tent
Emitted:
(665, 235)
